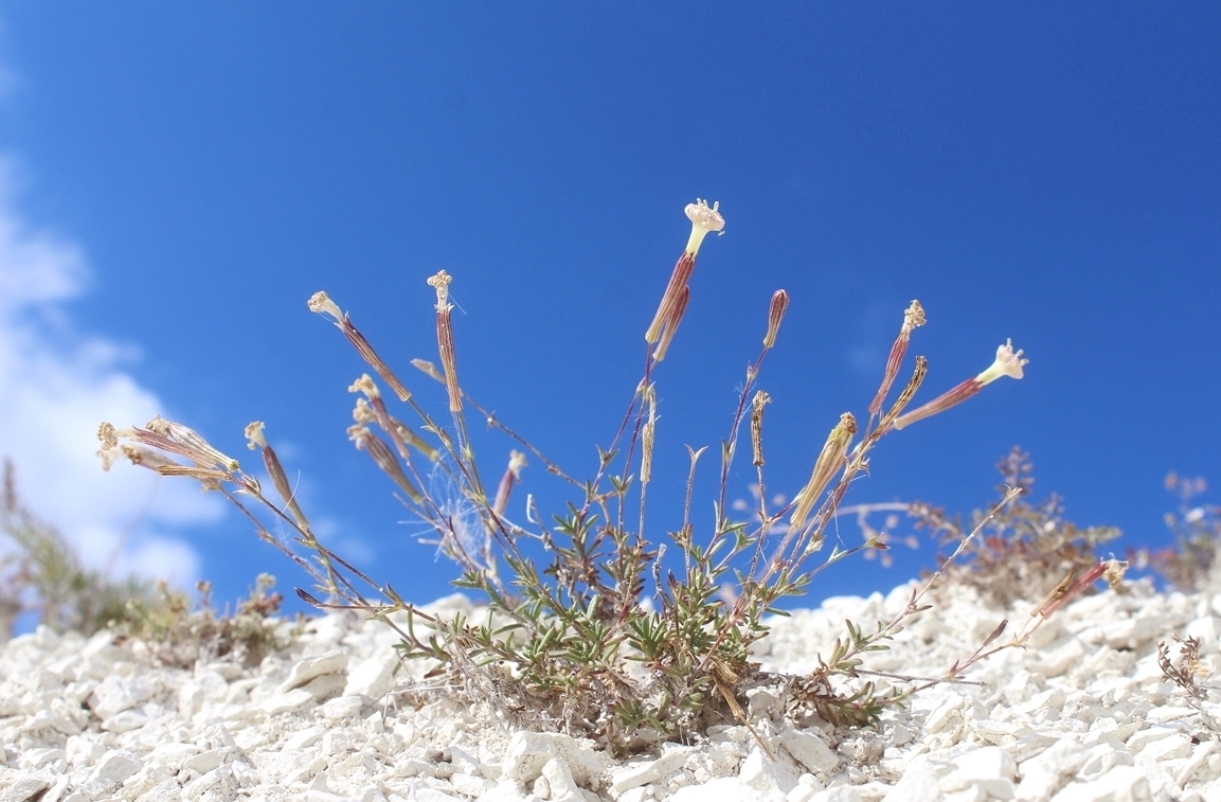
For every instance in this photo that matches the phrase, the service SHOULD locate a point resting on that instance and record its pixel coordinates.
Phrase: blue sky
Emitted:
(178, 180)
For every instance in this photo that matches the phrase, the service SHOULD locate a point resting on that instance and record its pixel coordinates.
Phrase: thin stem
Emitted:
(727, 453)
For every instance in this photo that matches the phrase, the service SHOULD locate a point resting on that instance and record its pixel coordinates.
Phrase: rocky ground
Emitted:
(1082, 713)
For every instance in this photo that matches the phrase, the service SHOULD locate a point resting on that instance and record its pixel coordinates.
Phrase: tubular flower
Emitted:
(381, 454)
(320, 303)
(256, 439)
(189, 443)
(703, 220)
(1008, 363)
(445, 339)
(670, 311)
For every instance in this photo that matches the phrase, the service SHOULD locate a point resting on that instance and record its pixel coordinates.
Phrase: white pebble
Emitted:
(115, 767)
(333, 662)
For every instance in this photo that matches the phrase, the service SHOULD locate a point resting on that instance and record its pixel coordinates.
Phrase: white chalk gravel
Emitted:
(1083, 713)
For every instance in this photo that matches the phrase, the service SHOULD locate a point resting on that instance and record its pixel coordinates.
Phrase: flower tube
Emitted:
(1008, 363)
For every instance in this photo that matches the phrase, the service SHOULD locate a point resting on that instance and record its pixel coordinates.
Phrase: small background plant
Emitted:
(43, 576)
(1025, 551)
(178, 633)
(1190, 563)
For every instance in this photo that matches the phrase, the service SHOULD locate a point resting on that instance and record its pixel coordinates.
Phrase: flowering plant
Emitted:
(603, 640)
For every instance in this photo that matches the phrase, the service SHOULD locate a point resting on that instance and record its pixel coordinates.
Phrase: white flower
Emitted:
(1007, 363)
(320, 303)
(703, 219)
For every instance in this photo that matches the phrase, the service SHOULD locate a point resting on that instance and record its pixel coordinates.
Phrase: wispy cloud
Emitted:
(56, 385)
(875, 331)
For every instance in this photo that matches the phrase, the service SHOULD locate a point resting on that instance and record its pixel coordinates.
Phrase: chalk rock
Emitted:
(506, 791)
(116, 694)
(373, 677)
(649, 770)
(809, 750)
(918, 784)
(767, 776)
(561, 786)
(115, 767)
(18, 786)
(528, 752)
(1046, 772)
(333, 662)
(990, 770)
(1121, 784)
(724, 789)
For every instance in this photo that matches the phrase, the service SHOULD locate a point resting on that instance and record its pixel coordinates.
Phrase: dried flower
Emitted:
(365, 385)
(256, 439)
(108, 436)
(254, 435)
(512, 476)
(1115, 569)
(647, 436)
(908, 392)
(440, 282)
(320, 303)
(1070, 588)
(445, 339)
(913, 317)
(190, 444)
(760, 400)
(366, 440)
(372, 409)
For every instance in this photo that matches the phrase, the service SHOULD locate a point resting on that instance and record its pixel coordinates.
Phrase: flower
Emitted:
(674, 299)
(703, 220)
(1007, 363)
(254, 435)
(320, 303)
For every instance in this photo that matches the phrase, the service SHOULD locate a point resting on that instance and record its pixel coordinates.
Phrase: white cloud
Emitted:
(56, 385)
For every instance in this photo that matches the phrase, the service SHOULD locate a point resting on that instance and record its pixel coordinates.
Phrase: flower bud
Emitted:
(775, 314)
(830, 461)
